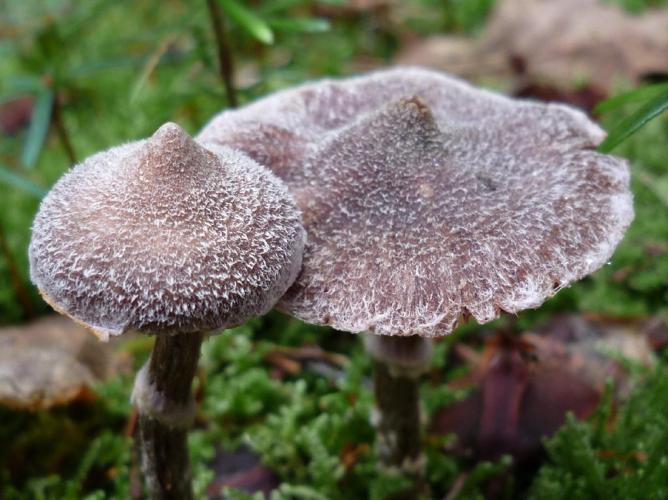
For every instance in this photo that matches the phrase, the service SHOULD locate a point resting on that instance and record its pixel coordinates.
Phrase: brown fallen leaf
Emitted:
(291, 361)
(585, 97)
(559, 43)
(50, 362)
(526, 385)
(37, 378)
(312, 353)
(243, 470)
(516, 404)
(590, 348)
(459, 55)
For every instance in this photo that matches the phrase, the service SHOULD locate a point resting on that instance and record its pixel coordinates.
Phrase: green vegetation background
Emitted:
(122, 68)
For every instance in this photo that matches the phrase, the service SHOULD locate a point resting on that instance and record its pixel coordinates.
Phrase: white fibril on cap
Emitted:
(427, 200)
(162, 236)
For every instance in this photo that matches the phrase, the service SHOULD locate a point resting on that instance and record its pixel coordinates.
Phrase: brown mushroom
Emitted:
(166, 238)
(428, 201)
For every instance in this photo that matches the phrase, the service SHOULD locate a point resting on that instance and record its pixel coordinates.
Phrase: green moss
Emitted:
(100, 53)
(628, 460)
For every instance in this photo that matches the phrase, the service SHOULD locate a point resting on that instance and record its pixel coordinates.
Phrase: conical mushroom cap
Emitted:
(163, 236)
(427, 201)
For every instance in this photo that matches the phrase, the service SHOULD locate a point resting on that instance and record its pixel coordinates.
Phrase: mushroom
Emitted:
(426, 202)
(163, 237)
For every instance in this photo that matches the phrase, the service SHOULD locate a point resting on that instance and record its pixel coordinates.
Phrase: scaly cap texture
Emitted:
(163, 236)
(427, 201)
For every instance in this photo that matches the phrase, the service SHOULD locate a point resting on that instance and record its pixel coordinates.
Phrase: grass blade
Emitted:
(620, 100)
(151, 65)
(629, 125)
(248, 21)
(24, 84)
(9, 178)
(300, 25)
(39, 127)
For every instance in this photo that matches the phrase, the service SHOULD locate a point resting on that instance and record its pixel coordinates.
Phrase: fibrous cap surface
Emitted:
(164, 236)
(427, 200)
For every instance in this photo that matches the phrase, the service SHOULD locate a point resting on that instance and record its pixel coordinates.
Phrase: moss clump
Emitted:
(620, 458)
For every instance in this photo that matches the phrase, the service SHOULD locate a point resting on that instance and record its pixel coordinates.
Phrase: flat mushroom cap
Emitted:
(426, 200)
(163, 236)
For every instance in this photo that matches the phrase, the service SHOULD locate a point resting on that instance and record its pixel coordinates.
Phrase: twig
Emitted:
(225, 61)
(61, 130)
(310, 353)
(457, 486)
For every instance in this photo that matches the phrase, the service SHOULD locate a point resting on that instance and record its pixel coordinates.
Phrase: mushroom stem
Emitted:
(398, 364)
(163, 396)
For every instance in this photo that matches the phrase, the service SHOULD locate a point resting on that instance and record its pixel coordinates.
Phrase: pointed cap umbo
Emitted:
(282, 129)
(427, 201)
(164, 236)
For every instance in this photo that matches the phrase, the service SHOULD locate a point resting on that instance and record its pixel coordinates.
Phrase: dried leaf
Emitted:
(528, 384)
(459, 55)
(241, 469)
(50, 362)
(590, 348)
(291, 360)
(560, 42)
(312, 353)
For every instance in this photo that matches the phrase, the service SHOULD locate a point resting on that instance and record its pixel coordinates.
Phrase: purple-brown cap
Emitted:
(164, 236)
(427, 201)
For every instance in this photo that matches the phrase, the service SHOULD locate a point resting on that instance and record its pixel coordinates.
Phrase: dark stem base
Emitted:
(165, 462)
(163, 396)
(399, 362)
(398, 403)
